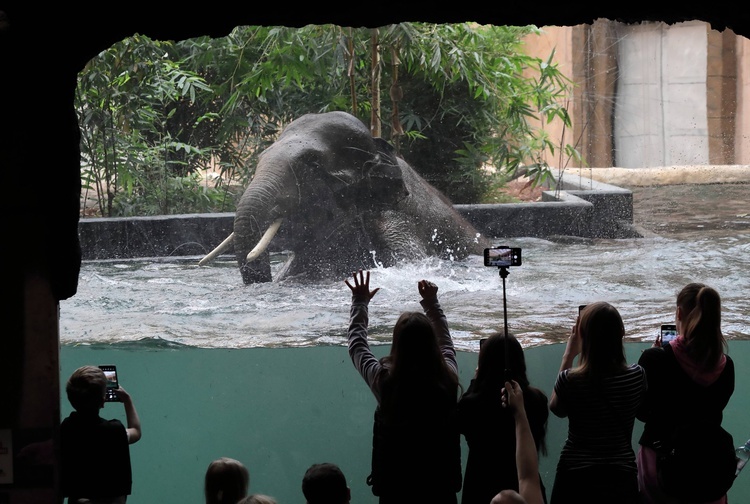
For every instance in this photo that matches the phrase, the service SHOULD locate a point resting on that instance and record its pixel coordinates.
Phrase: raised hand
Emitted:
(361, 285)
(513, 396)
(427, 289)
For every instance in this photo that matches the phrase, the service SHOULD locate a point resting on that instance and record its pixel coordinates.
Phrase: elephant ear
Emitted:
(384, 178)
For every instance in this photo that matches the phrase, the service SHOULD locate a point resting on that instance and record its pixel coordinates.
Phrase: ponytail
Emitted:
(701, 323)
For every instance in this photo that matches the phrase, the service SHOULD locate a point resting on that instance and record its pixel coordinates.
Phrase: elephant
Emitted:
(346, 202)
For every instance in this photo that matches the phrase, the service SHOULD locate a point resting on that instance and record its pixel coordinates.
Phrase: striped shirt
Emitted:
(600, 418)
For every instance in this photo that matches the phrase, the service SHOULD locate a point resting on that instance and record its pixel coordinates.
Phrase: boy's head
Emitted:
(86, 388)
(325, 484)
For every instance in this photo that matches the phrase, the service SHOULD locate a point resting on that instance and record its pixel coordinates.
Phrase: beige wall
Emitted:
(561, 39)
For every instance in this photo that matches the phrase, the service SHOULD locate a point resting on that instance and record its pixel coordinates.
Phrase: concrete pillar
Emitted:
(721, 95)
(595, 72)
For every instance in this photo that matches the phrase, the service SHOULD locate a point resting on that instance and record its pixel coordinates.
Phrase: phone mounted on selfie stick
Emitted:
(503, 270)
(503, 257)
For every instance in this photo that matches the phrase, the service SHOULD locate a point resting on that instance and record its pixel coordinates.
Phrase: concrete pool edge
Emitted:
(583, 208)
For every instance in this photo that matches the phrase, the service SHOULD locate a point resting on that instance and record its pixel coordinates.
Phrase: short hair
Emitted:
(227, 481)
(325, 484)
(86, 388)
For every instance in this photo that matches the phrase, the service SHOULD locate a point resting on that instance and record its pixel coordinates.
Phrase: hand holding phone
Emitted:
(668, 332)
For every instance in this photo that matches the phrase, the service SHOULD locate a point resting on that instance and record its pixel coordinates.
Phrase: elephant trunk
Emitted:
(259, 214)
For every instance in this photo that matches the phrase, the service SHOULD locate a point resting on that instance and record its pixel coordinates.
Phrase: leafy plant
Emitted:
(458, 100)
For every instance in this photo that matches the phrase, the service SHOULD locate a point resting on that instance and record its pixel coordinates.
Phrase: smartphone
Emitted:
(580, 309)
(113, 383)
(668, 333)
(502, 256)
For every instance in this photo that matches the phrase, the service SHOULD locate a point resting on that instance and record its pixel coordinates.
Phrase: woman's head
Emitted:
(227, 481)
(602, 332)
(699, 322)
(492, 361)
(415, 349)
(415, 374)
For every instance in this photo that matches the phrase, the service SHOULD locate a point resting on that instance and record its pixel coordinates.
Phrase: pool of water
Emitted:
(178, 302)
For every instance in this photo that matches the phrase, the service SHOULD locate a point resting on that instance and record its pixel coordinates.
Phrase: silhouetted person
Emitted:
(226, 482)
(600, 398)
(689, 379)
(489, 428)
(416, 453)
(325, 483)
(95, 453)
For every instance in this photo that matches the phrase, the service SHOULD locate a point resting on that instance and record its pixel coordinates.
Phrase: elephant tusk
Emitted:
(218, 250)
(264, 241)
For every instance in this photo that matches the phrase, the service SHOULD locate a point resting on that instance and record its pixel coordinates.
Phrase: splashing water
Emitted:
(178, 302)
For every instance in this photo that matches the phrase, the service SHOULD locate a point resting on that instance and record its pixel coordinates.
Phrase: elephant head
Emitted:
(345, 201)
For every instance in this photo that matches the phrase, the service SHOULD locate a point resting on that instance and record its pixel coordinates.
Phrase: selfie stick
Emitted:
(504, 273)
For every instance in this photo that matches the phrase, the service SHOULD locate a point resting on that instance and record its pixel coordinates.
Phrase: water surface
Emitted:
(179, 302)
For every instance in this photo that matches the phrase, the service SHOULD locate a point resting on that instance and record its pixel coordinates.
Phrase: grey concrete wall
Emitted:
(582, 208)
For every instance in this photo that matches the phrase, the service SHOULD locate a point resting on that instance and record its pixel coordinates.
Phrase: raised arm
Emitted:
(131, 416)
(572, 349)
(434, 312)
(527, 461)
(359, 349)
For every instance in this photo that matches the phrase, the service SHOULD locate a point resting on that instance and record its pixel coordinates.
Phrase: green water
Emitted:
(281, 410)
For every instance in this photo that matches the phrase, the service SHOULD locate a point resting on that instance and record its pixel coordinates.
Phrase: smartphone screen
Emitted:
(668, 333)
(502, 256)
(112, 382)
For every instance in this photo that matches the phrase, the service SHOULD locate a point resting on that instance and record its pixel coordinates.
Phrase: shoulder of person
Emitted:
(653, 354)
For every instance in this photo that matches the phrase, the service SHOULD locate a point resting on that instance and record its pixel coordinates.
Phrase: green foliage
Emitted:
(153, 114)
(133, 147)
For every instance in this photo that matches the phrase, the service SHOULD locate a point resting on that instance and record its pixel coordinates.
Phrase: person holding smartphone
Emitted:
(690, 380)
(95, 453)
(490, 428)
(599, 397)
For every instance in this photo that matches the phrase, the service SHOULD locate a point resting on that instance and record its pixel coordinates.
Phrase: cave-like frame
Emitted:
(42, 49)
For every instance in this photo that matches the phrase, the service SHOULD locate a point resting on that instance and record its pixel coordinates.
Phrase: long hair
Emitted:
(415, 371)
(602, 332)
(227, 481)
(492, 360)
(490, 378)
(700, 308)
